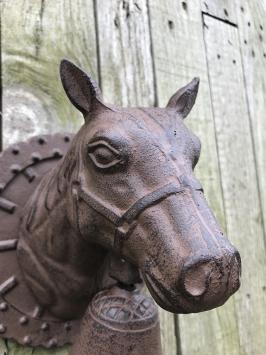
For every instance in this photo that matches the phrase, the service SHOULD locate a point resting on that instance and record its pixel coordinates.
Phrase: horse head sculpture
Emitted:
(126, 188)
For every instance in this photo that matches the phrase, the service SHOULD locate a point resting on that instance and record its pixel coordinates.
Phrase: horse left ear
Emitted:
(183, 100)
(81, 89)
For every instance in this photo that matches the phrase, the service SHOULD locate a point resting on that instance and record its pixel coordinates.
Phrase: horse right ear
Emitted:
(81, 90)
(183, 100)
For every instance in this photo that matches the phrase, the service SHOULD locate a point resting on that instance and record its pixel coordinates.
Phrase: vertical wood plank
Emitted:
(238, 174)
(3, 348)
(36, 35)
(126, 72)
(223, 9)
(124, 50)
(179, 54)
(252, 26)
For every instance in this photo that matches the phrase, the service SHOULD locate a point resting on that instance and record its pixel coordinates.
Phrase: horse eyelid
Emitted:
(100, 143)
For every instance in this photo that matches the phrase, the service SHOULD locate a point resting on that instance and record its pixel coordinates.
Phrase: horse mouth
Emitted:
(163, 297)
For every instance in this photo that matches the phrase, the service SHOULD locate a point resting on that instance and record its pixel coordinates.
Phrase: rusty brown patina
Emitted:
(121, 207)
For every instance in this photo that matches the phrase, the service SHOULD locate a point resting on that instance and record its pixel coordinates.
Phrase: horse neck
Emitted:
(47, 234)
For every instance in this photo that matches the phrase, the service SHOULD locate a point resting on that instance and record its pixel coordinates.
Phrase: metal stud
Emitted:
(15, 168)
(8, 244)
(23, 320)
(15, 150)
(27, 340)
(36, 157)
(3, 306)
(42, 140)
(29, 174)
(38, 311)
(67, 326)
(52, 342)
(2, 328)
(8, 285)
(7, 205)
(45, 326)
(57, 153)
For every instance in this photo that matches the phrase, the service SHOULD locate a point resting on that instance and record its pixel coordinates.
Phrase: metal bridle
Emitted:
(125, 222)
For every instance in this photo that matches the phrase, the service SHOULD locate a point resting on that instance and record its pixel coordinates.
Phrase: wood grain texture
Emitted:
(36, 36)
(127, 79)
(3, 348)
(222, 9)
(238, 175)
(179, 54)
(252, 36)
(124, 50)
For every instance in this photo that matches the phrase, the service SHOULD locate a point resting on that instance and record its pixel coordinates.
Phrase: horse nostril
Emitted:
(235, 273)
(215, 277)
(196, 280)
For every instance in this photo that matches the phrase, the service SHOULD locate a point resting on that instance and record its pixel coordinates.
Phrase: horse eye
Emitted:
(103, 156)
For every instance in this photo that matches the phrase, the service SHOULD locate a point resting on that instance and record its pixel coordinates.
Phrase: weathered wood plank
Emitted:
(179, 54)
(238, 175)
(61, 351)
(126, 72)
(252, 26)
(3, 348)
(36, 35)
(223, 9)
(124, 50)
(15, 349)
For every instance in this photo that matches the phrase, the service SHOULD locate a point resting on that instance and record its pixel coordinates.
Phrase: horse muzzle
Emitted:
(203, 284)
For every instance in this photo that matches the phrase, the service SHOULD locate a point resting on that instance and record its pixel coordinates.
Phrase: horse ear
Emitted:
(183, 100)
(81, 90)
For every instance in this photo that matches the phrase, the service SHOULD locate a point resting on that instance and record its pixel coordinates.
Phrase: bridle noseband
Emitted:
(125, 222)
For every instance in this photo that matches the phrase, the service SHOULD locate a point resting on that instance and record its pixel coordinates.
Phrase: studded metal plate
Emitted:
(21, 169)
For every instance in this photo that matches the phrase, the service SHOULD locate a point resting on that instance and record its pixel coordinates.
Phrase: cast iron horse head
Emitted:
(126, 188)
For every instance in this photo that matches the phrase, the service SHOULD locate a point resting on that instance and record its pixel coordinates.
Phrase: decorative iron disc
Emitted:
(21, 169)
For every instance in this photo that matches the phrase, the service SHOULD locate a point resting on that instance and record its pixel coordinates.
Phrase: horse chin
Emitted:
(158, 294)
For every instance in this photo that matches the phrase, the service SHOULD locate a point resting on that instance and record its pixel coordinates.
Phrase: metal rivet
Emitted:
(3, 306)
(15, 150)
(66, 139)
(2, 186)
(23, 320)
(45, 326)
(27, 340)
(7, 205)
(15, 168)
(36, 157)
(67, 326)
(2, 328)
(42, 140)
(30, 174)
(52, 342)
(57, 153)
